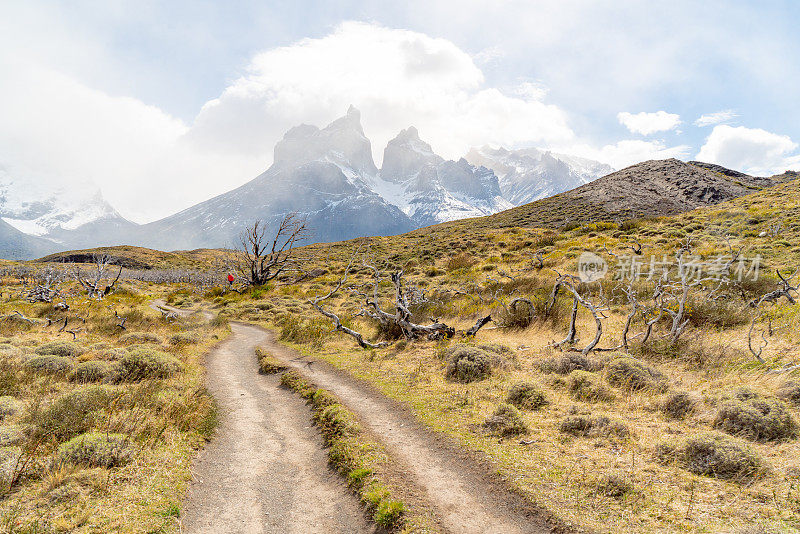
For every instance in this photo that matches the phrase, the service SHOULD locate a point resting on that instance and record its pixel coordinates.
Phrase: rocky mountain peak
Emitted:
(406, 155)
(342, 142)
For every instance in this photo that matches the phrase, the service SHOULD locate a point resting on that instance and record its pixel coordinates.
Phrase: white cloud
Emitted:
(395, 77)
(751, 150)
(719, 117)
(150, 164)
(629, 151)
(647, 123)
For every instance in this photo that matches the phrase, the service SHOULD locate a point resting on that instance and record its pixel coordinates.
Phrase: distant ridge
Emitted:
(649, 189)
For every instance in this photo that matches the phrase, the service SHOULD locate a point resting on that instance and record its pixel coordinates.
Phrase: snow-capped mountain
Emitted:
(57, 214)
(431, 190)
(531, 174)
(327, 175)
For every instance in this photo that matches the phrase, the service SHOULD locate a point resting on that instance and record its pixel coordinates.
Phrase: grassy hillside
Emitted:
(688, 434)
(656, 438)
(140, 258)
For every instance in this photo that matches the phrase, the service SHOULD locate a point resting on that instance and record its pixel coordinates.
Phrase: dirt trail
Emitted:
(266, 470)
(461, 492)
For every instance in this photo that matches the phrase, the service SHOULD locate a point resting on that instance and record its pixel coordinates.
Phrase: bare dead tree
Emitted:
(337, 323)
(757, 352)
(46, 290)
(480, 323)
(93, 284)
(261, 259)
(570, 283)
(786, 290)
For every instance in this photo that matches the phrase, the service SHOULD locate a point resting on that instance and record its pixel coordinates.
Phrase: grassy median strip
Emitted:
(356, 457)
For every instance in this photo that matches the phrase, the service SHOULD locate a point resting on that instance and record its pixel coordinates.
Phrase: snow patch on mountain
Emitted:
(38, 205)
(530, 174)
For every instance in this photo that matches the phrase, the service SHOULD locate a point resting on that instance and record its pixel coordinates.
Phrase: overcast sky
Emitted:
(164, 104)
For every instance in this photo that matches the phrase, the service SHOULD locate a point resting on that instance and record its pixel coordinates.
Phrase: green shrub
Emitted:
(468, 363)
(564, 364)
(678, 404)
(61, 348)
(389, 514)
(593, 426)
(526, 395)
(72, 413)
(11, 435)
(50, 364)
(506, 421)
(323, 398)
(632, 374)
(294, 380)
(184, 338)
(137, 338)
(713, 454)
(93, 371)
(143, 363)
(586, 386)
(9, 406)
(96, 449)
(755, 418)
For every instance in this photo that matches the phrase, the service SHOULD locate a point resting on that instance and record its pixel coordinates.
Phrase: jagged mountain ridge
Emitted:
(328, 175)
(648, 189)
(530, 174)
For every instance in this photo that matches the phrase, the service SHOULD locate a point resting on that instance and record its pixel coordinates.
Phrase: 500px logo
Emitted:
(591, 267)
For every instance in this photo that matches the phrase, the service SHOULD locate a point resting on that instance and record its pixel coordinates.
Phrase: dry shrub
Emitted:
(750, 416)
(96, 449)
(61, 348)
(592, 426)
(137, 338)
(789, 391)
(184, 338)
(72, 413)
(11, 435)
(612, 485)
(586, 386)
(718, 313)
(526, 395)
(714, 454)
(9, 406)
(505, 421)
(678, 404)
(564, 364)
(462, 261)
(94, 371)
(143, 362)
(468, 363)
(50, 364)
(634, 375)
(299, 330)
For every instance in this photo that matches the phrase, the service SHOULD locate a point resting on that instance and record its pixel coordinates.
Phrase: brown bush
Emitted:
(593, 426)
(752, 417)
